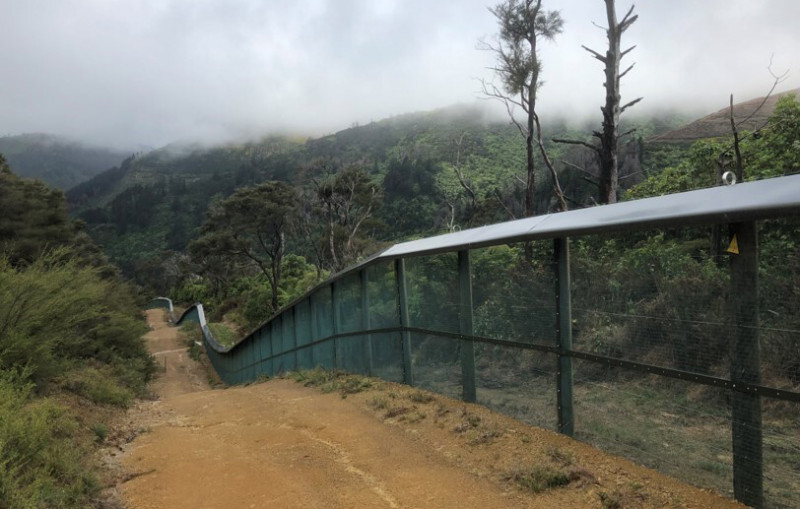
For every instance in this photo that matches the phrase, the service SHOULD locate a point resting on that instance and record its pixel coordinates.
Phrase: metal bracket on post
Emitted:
(365, 318)
(402, 301)
(566, 416)
(468, 391)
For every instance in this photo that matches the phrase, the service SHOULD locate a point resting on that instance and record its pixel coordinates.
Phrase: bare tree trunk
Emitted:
(608, 151)
(609, 155)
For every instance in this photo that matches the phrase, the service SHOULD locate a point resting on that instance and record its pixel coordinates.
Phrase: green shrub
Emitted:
(98, 386)
(42, 465)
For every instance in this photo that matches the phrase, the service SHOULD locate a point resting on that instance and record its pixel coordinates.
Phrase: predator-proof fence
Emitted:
(665, 330)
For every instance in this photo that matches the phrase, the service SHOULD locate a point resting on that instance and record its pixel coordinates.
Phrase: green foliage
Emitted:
(346, 203)
(42, 465)
(59, 316)
(249, 227)
(223, 334)
(34, 217)
(772, 151)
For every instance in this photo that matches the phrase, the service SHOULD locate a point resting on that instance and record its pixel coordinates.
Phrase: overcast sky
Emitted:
(129, 72)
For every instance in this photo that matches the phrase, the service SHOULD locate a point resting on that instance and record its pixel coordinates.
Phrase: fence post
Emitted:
(335, 324)
(402, 301)
(365, 318)
(468, 392)
(745, 368)
(566, 417)
(294, 335)
(312, 300)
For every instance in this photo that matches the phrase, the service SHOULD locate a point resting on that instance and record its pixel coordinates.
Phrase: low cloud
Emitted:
(130, 73)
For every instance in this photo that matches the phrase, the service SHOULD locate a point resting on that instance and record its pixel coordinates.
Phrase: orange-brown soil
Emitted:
(279, 444)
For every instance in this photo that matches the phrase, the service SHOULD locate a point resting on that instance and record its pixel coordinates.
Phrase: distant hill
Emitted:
(59, 162)
(719, 124)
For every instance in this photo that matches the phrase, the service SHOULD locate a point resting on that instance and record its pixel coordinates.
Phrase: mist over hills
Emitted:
(58, 161)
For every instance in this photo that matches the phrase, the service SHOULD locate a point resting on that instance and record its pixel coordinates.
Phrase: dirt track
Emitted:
(281, 445)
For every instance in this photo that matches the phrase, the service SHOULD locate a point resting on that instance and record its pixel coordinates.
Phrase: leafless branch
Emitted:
(595, 54)
(582, 170)
(559, 192)
(575, 142)
(623, 53)
(499, 199)
(775, 82)
(623, 73)
(628, 105)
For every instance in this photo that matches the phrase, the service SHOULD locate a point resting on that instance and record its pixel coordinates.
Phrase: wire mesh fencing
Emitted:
(676, 347)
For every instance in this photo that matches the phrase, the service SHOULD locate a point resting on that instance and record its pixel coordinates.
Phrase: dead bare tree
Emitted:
(523, 23)
(607, 149)
(724, 159)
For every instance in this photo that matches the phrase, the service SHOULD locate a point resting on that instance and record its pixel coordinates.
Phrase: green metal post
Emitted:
(468, 392)
(365, 319)
(314, 325)
(335, 324)
(745, 368)
(566, 416)
(294, 335)
(402, 301)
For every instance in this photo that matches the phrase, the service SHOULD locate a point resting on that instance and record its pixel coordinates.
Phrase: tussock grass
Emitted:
(332, 381)
(538, 478)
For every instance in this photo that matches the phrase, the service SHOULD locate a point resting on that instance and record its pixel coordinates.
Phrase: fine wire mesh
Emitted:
(321, 306)
(387, 350)
(350, 351)
(671, 300)
(676, 427)
(433, 304)
(779, 341)
(779, 303)
(290, 356)
(519, 383)
(514, 300)
(303, 333)
(276, 342)
(652, 297)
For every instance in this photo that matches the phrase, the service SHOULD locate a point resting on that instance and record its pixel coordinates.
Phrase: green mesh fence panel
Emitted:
(348, 303)
(262, 339)
(432, 283)
(681, 343)
(514, 299)
(516, 382)
(781, 456)
(305, 358)
(277, 342)
(289, 343)
(321, 306)
(435, 361)
(673, 426)
(387, 356)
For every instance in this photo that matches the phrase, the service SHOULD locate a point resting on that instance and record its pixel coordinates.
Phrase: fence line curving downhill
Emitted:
(623, 327)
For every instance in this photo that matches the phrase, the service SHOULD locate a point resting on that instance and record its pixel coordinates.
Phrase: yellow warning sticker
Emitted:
(734, 246)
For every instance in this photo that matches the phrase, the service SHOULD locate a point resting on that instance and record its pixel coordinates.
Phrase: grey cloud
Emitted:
(127, 73)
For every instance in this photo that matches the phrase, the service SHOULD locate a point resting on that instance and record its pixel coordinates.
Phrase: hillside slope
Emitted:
(59, 162)
(751, 113)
